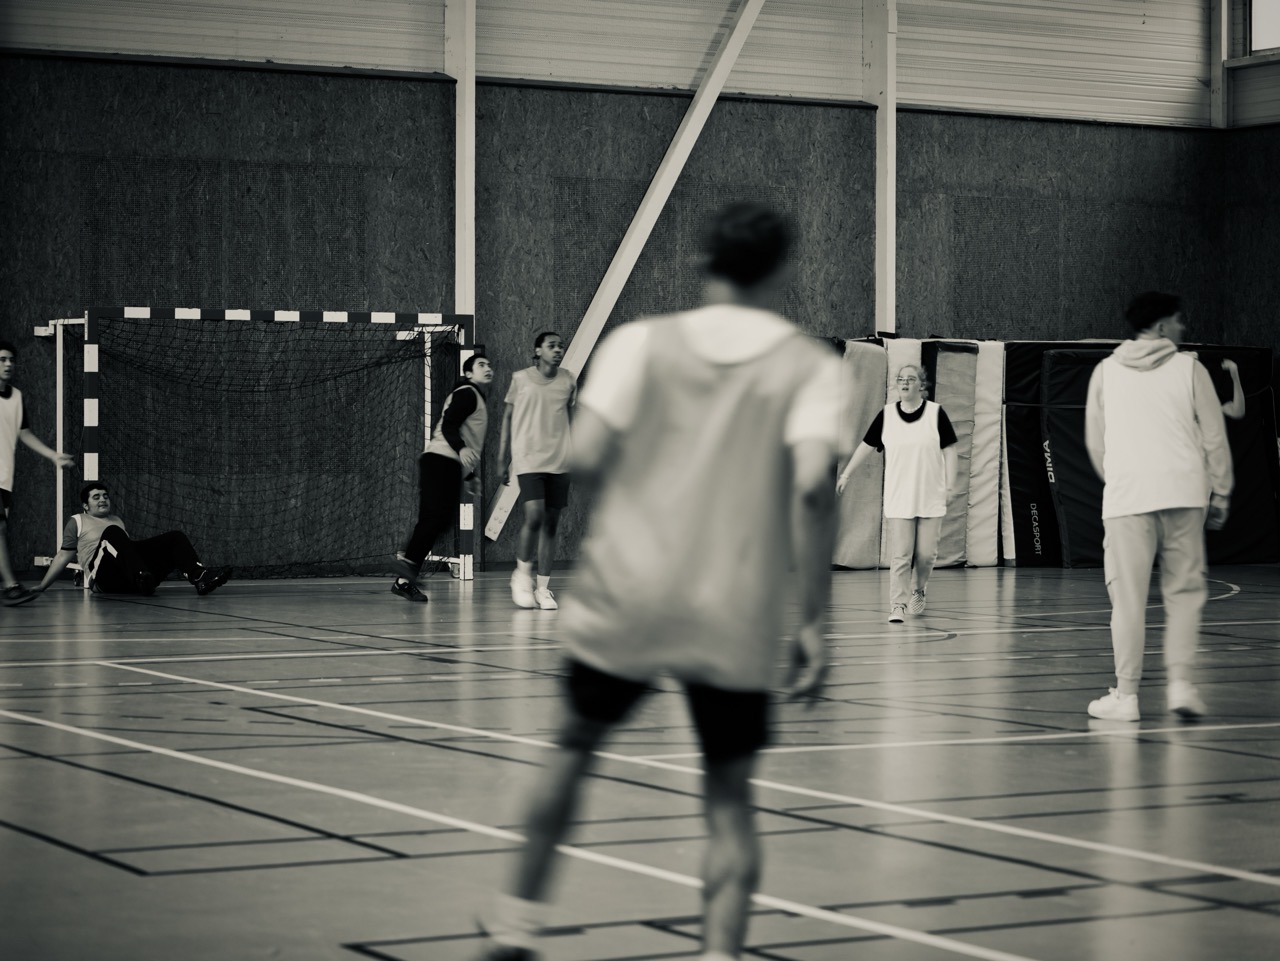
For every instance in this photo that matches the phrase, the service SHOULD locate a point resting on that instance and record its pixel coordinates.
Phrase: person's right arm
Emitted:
(504, 445)
(864, 451)
(56, 567)
(813, 533)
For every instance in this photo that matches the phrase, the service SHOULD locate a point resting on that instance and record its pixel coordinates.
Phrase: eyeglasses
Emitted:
(908, 380)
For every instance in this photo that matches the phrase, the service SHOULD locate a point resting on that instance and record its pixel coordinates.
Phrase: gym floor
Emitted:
(320, 770)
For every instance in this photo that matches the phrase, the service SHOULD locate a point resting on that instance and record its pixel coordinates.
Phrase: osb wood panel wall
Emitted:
(1250, 253)
(561, 173)
(1019, 229)
(164, 185)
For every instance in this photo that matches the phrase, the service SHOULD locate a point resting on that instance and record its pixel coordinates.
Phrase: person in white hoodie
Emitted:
(1156, 437)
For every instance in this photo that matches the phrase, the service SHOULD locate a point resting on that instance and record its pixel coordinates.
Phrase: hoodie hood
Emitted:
(1145, 354)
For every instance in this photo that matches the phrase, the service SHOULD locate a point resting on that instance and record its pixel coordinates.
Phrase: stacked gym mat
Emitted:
(1027, 493)
(1054, 498)
(966, 378)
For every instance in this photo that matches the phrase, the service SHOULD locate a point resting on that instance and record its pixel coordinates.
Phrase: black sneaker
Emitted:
(409, 591)
(13, 596)
(210, 580)
(505, 952)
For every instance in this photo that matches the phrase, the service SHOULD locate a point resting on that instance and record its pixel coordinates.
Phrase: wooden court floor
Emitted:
(320, 770)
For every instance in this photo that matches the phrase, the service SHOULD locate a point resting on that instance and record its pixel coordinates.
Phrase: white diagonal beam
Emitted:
(646, 216)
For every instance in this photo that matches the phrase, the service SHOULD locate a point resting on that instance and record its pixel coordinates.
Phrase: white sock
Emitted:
(516, 922)
(544, 583)
(524, 568)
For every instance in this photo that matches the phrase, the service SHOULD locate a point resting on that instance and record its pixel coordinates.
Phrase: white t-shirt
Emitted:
(722, 333)
(540, 442)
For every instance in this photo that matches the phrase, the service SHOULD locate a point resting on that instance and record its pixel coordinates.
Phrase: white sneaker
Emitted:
(917, 601)
(1185, 701)
(898, 614)
(1115, 707)
(522, 590)
(545, 599)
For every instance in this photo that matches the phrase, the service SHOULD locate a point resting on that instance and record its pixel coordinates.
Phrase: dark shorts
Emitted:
(550, 488)
(730, 724)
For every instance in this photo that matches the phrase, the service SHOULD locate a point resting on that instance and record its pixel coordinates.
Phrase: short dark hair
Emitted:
(537, 341)
(1151, 307)
(6, 345)
(89, 488)
(470, 362)
(747, 243)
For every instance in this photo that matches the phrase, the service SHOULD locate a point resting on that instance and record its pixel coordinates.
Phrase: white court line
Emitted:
(634, 867)
(1061, 839)
(963, 741)
(1067, 629)
(281, 655)
(1235, 589)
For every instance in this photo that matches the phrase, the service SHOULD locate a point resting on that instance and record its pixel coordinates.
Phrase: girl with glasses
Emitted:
(919, 445)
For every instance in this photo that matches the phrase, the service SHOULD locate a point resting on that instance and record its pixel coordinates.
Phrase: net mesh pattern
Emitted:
(282, 449)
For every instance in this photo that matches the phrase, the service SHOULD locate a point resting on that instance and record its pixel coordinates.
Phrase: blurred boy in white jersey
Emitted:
(712, 436)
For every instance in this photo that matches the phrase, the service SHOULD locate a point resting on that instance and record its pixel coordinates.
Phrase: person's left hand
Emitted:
(1230, 366)
(64, 460)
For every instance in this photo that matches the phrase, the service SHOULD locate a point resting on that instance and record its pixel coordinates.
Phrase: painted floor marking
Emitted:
(634, 867)
(283, 655)
(1005, 739)
(1198, 867)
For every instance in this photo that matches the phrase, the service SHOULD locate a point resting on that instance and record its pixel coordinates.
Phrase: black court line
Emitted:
(824, 822)
(1060, 792)
(318, 833)
(73, 848)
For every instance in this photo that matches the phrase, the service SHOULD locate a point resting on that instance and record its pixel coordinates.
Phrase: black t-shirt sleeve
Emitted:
(874, 437)
(946, 433)
(462, 405)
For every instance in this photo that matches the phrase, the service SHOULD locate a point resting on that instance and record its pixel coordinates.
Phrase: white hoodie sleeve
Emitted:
(1095, 422)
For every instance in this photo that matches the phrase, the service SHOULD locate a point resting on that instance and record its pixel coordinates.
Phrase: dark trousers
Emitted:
(120, 560)
(439, 488)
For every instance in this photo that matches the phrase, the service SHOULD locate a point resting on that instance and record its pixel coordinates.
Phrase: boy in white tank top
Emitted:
(13, 428)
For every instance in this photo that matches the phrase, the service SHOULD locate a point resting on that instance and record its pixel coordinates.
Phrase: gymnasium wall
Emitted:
(560, 173)
(1022, 229)
(1250, 278)
(162, 185)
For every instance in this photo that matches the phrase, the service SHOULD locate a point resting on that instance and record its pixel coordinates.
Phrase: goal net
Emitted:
(284, 444)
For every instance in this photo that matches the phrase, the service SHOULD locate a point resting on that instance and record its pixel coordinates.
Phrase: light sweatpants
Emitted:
(1129, 548)
(911, 537)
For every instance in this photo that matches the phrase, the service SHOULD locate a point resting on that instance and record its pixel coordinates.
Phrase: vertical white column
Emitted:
(59, 439)
(1219, 53)
(880, 67)
(460, 63)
